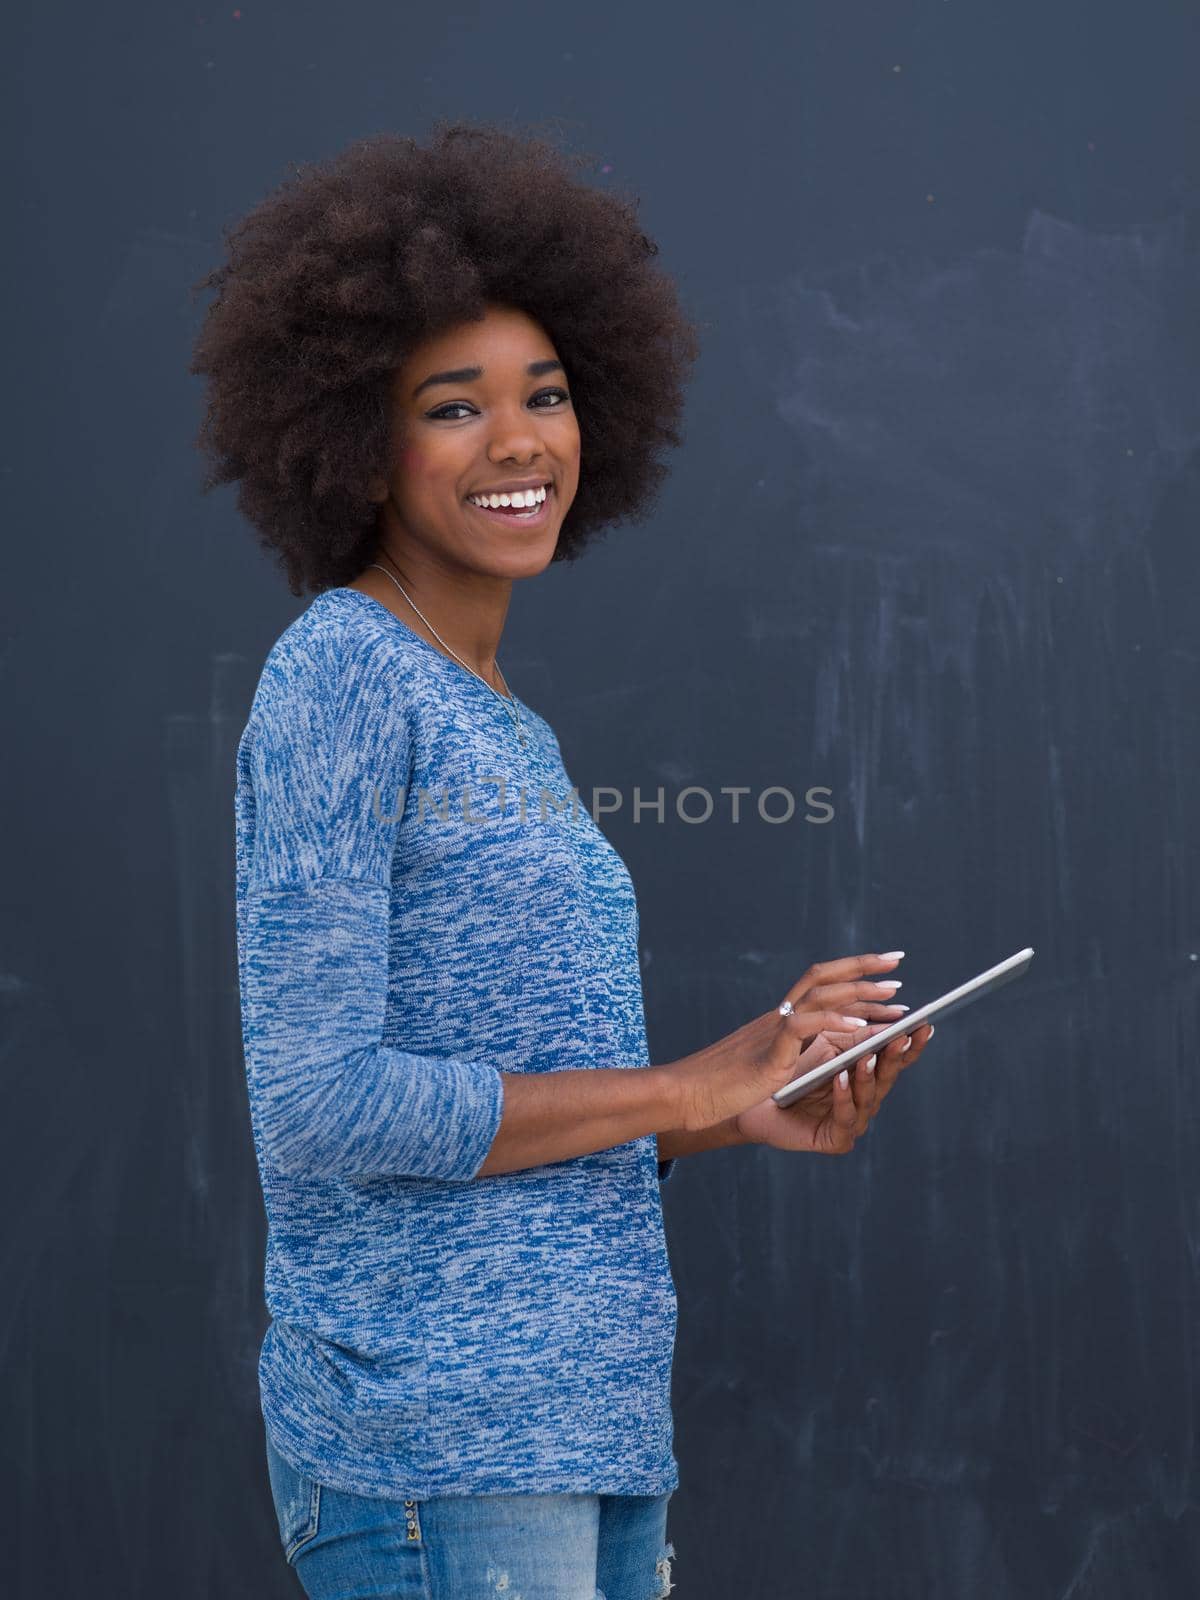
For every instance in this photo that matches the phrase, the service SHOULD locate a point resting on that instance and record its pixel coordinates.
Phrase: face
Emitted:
(482, 408)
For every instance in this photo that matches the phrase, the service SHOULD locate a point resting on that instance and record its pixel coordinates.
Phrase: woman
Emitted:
(434, 371)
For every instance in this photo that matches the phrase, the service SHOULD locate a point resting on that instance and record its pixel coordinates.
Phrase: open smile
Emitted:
(529, 517)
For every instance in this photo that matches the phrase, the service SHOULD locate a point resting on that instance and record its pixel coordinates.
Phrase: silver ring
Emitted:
(785, 1010)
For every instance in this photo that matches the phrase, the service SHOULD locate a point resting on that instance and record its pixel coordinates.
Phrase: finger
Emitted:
(870, 1010)
(911, 1044)
(896, 1049)
(870, 1029)
(843, 1039)
(917, 1041)
(850, 995)
(891, 1057)
(844, 1117)
(866, 1092)
(861, 1076)
(804, 1024)
(816, 1054)
(845, 970)
(895, 1056)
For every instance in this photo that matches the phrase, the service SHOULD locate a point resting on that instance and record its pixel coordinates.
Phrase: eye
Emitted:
(442, 414)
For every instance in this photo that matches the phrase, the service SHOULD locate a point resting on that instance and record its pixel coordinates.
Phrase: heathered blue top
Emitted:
(413, 919)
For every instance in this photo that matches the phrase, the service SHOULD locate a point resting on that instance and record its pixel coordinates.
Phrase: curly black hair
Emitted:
(354, 260)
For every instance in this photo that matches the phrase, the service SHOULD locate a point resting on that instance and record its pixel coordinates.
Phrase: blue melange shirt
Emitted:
(413, 919)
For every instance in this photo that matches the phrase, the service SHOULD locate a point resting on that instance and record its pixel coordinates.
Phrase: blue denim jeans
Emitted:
(470, 1547)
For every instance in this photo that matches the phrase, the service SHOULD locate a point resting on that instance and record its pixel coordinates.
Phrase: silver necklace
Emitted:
(510, 703)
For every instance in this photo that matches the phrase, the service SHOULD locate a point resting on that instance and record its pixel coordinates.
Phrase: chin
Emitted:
(513, 556)
(535, 558)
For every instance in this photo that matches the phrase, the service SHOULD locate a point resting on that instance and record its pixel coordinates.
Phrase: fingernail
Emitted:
(855, 1022)
(898, 1007)
(892, 955)
(870, 1063)
(905, 1045)
(889, 983)
(844, 1078)
(930, 1034)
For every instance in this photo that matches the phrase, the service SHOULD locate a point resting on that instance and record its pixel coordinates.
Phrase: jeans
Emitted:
(470, 1547)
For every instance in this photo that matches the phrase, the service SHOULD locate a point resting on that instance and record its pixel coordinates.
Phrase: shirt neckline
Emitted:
(399, 622)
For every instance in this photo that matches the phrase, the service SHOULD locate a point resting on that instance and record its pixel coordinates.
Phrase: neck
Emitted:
(467, 611)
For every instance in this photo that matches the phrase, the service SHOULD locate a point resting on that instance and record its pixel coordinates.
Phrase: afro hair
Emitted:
(355, 260)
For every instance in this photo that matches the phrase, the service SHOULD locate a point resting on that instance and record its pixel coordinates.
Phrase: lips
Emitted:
(533, 516)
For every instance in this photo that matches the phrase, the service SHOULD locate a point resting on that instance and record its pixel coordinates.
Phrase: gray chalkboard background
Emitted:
(931, 543)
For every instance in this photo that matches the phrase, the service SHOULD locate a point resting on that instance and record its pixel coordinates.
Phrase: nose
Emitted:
(515, 437)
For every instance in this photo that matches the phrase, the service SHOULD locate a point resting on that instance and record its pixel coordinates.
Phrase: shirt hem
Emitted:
(343, 1479)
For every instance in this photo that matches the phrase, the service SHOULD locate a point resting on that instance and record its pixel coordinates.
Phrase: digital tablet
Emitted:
(1001, 973)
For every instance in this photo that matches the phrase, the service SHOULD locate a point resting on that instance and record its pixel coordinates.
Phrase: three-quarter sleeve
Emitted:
(326, 758)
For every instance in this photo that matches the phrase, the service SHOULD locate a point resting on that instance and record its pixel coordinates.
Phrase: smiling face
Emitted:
(482, 408)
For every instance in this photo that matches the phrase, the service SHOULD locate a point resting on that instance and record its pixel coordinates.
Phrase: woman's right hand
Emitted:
(743, 1068)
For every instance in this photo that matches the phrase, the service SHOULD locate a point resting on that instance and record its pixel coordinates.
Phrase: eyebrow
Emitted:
(535, 369)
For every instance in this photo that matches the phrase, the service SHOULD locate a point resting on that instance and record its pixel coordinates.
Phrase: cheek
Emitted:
(415, 472)
(426, 480)
(421, 471)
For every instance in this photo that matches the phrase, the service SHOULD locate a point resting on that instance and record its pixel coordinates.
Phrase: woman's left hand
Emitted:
(829, 1119)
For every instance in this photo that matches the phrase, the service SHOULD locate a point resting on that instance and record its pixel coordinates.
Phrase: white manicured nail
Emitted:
(892, 955)
(855, 1022)
(889, 983)
(870, 1063)
(844, 1078)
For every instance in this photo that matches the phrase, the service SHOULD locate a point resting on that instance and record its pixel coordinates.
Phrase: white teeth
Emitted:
(522, 497)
